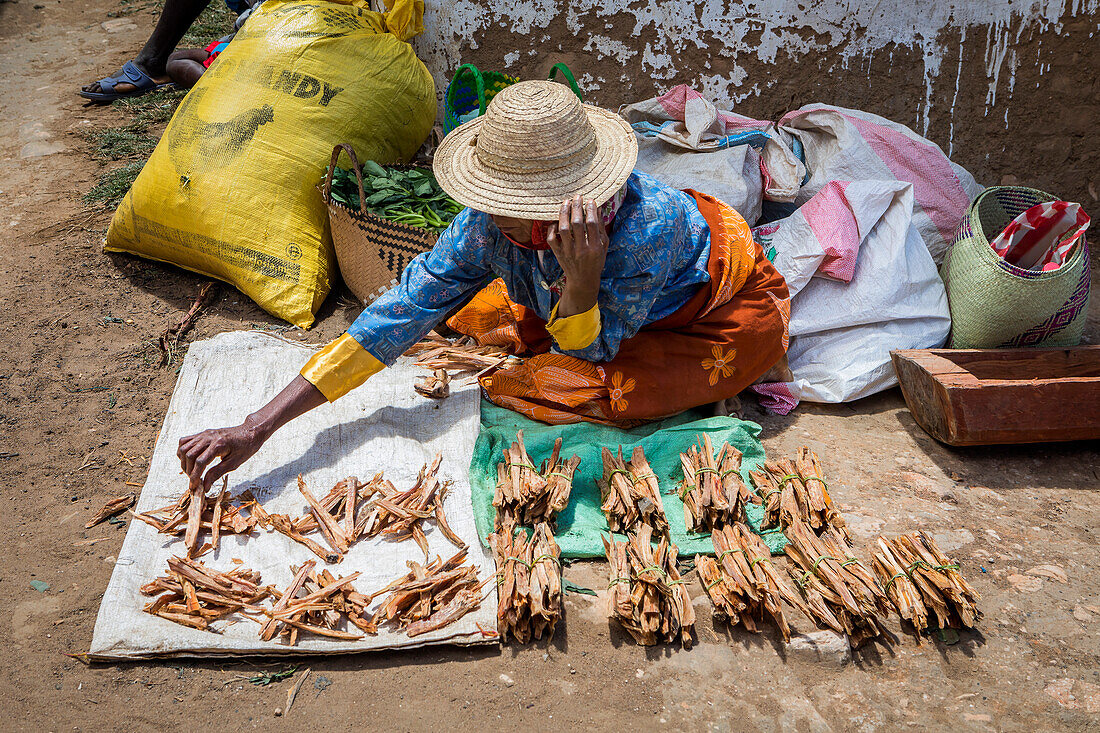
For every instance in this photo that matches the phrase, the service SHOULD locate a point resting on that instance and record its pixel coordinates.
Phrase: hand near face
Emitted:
(579, 242)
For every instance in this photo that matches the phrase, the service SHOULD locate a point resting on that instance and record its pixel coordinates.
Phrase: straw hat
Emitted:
(534, 147)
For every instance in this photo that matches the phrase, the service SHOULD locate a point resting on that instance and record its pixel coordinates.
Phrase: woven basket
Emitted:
(996, 304)
(469, 90)
(372, 252)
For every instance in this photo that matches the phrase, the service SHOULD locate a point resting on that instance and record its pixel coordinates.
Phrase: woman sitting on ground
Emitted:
(630, 300)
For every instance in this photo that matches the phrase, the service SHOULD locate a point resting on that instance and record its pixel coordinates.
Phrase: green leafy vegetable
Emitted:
(407, 196)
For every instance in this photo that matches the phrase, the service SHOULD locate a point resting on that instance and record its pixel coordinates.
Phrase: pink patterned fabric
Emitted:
(675, 103)
(834, 225)
(935, 185)
(775, 397)
(1041, 237)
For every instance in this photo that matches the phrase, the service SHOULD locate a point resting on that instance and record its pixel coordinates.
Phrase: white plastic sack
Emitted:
(841, 144)
(684, 141)
(383, 425)
(862, 283)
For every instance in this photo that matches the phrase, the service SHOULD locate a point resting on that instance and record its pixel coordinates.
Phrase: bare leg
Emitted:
(175, 19)
(185, 66)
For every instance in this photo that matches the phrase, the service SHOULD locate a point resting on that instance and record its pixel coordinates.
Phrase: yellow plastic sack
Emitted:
(231, 190)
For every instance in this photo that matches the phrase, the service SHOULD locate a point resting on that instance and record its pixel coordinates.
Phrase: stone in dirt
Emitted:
(1049, 571)
(40, 148)
(1082, 614)
(1025, 583)
(952, 539)
(821, 646)
(1074, 694)
(119, 24)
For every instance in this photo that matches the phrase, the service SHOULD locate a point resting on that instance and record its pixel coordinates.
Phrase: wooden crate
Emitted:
(992, 396)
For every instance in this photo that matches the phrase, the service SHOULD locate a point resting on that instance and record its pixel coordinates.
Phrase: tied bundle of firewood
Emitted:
(742, 582)
(194, 595)
(796, 491)
(316, 603)
(431, 597)
(647, 595)
(461, 357)
(529, 587)
(840, 591)
(530, 495)
(921, 580)
(713, 492)
(630, 493)
(194, 512)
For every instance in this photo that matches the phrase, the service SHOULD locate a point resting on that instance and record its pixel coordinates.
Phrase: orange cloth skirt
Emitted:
(722, 340)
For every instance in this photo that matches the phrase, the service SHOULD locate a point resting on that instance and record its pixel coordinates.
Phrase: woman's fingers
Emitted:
(576, 221)
(565, 234)
(216, 472)
(593, 225)
(203, 461)
(552, 235)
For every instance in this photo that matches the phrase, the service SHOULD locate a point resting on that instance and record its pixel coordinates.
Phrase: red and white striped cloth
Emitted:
(1042, 237)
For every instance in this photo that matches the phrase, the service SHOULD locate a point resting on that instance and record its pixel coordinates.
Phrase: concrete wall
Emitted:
(1010, 88)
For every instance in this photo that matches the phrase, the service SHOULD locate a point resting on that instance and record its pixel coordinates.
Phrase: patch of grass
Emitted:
(114, 184)
(215, 22)
(135, 140)
(120, 143)
(152, 108)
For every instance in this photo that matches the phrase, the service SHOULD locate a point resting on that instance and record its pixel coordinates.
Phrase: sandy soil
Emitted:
(82, 398)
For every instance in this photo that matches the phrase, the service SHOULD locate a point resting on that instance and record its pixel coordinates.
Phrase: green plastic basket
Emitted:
(996, 304)
(472, 89)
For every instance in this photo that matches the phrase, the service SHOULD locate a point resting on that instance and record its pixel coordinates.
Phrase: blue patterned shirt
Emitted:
(656, 261)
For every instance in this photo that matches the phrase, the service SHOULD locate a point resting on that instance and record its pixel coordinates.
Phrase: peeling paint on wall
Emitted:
(766, 31)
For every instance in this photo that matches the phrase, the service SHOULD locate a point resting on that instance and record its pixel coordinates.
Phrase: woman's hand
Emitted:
(579, 241)
(236, 445)
(233, 446)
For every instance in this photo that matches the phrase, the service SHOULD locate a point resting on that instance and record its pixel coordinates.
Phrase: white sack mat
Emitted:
(382, 426)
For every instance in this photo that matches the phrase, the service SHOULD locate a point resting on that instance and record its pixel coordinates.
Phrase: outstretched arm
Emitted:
(236, 445)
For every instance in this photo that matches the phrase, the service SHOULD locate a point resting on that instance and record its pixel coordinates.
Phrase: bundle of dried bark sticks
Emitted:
(630, 493)
(529, 587)
(461, 357)
(194, 512)
(921, 580)
(840, 591)
(194, 595)
(352, 510)
(647, 595)
(796, 491)
(712, 491)
(530, 495)
(317, 603)
(742, 582)
(431, 597)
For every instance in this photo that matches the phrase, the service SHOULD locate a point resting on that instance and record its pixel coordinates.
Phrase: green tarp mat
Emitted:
(581, 524)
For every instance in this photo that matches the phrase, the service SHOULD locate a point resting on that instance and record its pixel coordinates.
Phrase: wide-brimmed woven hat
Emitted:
(535, 146)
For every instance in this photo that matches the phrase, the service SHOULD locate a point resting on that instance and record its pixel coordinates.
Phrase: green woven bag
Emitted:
(996, 304)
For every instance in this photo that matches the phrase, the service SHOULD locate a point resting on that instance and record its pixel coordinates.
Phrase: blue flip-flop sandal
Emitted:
(130, 74)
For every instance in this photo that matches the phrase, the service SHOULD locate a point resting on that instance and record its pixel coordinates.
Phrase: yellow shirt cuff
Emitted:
(340, 367)
(574, 332)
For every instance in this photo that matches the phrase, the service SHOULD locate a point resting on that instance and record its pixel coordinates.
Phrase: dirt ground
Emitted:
(82, 397)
